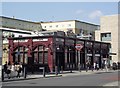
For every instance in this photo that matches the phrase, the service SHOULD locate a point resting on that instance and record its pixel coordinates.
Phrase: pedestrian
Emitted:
(106, 66)
(5, 67)
(18, 68)
(8, 70)
(12, 69)
(97, 66)
(87, 65)
(94, 65)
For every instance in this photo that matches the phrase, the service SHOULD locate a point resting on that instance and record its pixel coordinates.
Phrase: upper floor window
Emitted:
(56, 25)
(44, 26)
(69, 24)
(105, 36)
(50, 26)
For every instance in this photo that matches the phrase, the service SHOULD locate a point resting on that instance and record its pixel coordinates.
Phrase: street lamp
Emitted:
(58, 59)
(70, 60)
(57, 62)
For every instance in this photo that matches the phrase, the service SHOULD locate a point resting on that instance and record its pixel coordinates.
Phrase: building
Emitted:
(7, 22)
(109, 32)
(12, 27)
(56, 51)
(82, 29)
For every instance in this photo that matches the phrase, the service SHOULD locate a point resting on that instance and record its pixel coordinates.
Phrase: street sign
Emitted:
(79, 47)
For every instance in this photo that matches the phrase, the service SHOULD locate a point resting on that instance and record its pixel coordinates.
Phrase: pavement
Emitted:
(64, 74)
(116, 83)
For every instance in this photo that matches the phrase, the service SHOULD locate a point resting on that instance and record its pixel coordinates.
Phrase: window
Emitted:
(50, 26)
(44, 26)
(105, 36)
(46, 57)
(56, 25)
(69, 24)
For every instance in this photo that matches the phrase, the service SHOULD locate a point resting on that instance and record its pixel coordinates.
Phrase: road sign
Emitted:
(79, 47)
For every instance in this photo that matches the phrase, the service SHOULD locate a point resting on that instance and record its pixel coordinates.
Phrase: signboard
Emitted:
(79, 47)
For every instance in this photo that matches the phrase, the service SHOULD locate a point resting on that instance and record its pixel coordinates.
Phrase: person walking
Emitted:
(7, 69)
(94, 65)
(18, 68)
(87, 65)
(97, 66)
(12, 70)
(106, 66)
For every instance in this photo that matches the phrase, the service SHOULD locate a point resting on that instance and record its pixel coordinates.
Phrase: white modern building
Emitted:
(109, 32)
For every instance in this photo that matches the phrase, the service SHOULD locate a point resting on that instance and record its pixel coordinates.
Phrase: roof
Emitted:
(69, 21)
(53, 36)
(19, 20)
(49, 21)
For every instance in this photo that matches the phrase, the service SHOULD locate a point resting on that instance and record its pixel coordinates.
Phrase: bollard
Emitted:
(79, 67)
(43, 71)
(71, 68)
(25, 73)
(61, 69)
(2, 75)
(56, 70)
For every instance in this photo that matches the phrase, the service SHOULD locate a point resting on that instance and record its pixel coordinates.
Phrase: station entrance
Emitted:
(52, 51)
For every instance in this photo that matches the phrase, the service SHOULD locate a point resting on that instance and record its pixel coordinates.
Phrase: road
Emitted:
(97, 79)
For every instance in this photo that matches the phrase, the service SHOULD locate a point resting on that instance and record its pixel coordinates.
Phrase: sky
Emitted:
(59, 11)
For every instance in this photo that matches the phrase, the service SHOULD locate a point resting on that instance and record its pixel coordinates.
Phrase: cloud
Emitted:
(95, 14)
(79, 11)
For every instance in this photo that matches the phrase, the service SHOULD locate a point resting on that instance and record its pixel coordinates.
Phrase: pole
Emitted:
(79, 67)
(43, 71)
(56, 72)
(2, 75)
(25, 72)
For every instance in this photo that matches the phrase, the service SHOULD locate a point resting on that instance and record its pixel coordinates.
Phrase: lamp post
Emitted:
(58, 60)
(70, 60)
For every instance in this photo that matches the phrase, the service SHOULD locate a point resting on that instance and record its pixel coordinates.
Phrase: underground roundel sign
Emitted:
(79, 47)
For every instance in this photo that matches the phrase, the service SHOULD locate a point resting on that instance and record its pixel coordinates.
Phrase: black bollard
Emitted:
(70, 68)
(56, 70)
(2, 75)
(43, 71)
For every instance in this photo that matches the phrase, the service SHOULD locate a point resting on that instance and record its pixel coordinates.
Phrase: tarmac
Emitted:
(63, 74)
